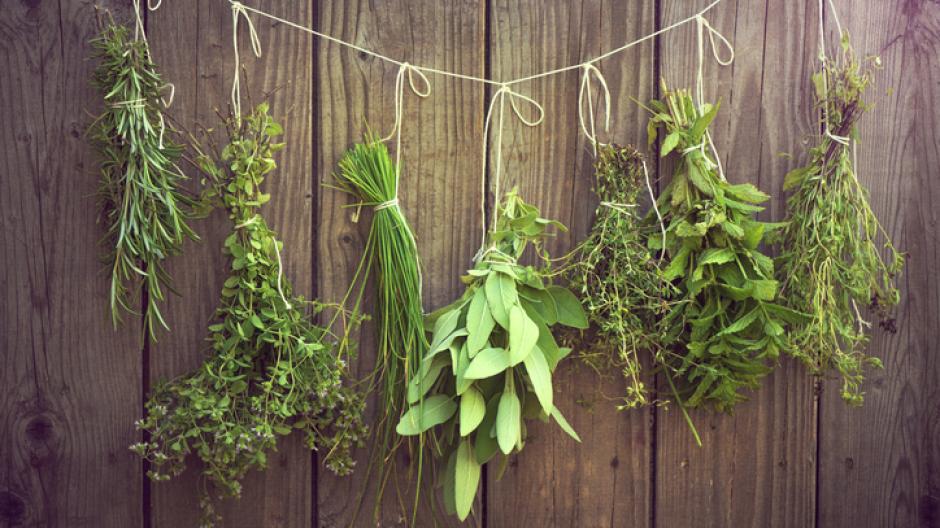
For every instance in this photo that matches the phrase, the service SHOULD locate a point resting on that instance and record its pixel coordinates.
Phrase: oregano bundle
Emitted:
(831, 265)
(144, 210)
(491, 358)
(271, 369)
(725, 323)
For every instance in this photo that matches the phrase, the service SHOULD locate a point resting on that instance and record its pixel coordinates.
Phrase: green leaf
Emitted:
(480, 323)
(428, 374)
(740, 324)
(448, 483)
(507, 421)
(466, 479)
(570, 312)
(500, 297)
(472, 410)
(549, 310)
(488, 362)
(565, 426)
(794, 177)
(716, 256)
(432, 411)
(669, 143)
(523, 334)
(485, 443)
(747, 192)
(541, 377)
(701, 124)
(764, 289)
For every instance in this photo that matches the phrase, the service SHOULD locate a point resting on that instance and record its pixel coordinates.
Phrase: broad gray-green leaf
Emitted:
(466, 479)
(445, 324)
(463, 361)
(432, 411)
(507, 421)
(422, 383)
(488, 362)
(480, 323)
(472, 410)
(501, 295)
(570, 312)
(541, 377)
(523, 334)
(549, 310)
(565, 426)
(484, 440)
(669, 143)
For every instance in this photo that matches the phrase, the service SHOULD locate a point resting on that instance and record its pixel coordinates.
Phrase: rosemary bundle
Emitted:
(144, 210)
(621, 286)
(368, 173)
(271, 370)
(831, 266)
(725, 323)
(492, 353)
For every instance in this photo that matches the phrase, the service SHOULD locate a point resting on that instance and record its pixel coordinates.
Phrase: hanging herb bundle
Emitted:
(492, 353)
(620, 285)
(368, 173)
(831, 266)
(725, 322)
(271, 370)
(141, 204)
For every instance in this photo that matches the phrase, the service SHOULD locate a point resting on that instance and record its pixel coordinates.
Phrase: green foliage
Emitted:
(368, 173)
(831, 266)
(724, 322)
(271, 370)
(621, 286)
(143, 209)
(489, 366)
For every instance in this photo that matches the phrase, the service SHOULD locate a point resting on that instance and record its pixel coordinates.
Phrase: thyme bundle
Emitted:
(621, 286)
(368, 173)
(271, 370)
(725, 323)
(144, 210)
(492, 353)
(831, 266)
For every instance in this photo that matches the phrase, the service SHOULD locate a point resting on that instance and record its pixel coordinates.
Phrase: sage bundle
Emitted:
(725, 323)
(367, 172)
(144, 210)
(832, 265)
(491, 358)
(271, 370)
(620, 285)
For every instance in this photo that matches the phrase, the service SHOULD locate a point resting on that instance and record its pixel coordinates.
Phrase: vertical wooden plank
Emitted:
(554, 481)
(757, 467)
(440, 185)
(69, 382)
(193, 44)
(880, 464)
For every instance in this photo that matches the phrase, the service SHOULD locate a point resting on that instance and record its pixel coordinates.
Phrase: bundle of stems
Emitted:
(272, 370)
(368, 173)
(141, 204)
(831, 265)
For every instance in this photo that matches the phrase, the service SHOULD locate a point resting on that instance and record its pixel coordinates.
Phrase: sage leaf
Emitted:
(472, 410)
(541, 377)
(507, 421)
(420, 417)
(466, 479)
(570, 312)
(488, 362)
(523, 334)
(480, 323)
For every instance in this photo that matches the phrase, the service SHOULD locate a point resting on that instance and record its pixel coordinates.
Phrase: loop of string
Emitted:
(277, 252)
(500, 96)
(659, 217)
(239, 10)
(844, 140)
(141, 34)
(701, 24)
(403, 69)
(590, 70)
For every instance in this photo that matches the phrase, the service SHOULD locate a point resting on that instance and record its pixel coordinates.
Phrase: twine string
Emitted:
(701, 26)
(239, 10)
(409, 71)
(589, 71)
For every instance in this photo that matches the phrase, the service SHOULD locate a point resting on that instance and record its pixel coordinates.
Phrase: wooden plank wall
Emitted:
(794, 455)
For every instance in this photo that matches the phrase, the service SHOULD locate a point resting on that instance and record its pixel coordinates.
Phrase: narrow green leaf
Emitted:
(472, 410)
(541, 377)
(480, 323)
(507, 421)
(466, 479)
(523, 334)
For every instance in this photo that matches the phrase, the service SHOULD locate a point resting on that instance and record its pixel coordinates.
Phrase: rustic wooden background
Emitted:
(794, 455)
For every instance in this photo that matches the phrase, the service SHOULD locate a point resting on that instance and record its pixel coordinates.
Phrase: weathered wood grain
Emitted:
(605, 481)
(69, 382)
(756, 467)
(880, 464)
(194, 46)
(439, 191)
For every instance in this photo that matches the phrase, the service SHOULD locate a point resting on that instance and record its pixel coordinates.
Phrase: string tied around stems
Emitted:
(702, 25)
(589, 71)
(504, 92)
(141, 34)
(239, 11)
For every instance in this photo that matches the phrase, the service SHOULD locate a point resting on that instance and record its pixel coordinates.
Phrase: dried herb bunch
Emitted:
(492, 354)
(831, 264)
(620, 284)
(725, 323)
(143, 208)
(368, 173)
(271, 370)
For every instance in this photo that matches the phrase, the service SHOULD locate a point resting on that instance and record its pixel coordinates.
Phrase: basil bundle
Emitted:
(491, 357)
(725, 323)
(144, 210)
(272, 370)
(830, 264)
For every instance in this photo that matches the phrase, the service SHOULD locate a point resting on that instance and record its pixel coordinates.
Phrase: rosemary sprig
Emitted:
(144, 210)
(272, 370)
(831, 266)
